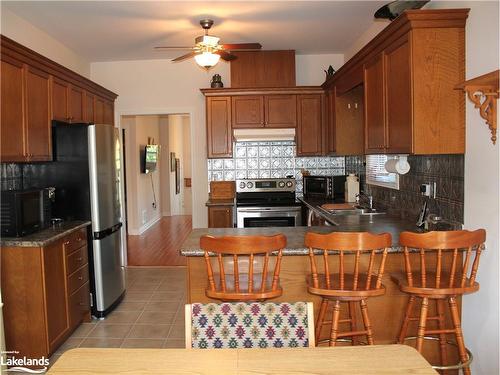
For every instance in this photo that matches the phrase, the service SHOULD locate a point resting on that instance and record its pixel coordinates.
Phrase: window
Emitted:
(376, 173)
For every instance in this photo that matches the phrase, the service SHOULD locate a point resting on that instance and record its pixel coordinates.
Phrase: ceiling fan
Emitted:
(207, 51)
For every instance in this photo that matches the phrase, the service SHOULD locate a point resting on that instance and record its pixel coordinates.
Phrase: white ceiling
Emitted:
(126, 30)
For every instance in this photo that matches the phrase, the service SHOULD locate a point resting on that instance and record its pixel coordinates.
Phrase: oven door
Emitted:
(248, 217)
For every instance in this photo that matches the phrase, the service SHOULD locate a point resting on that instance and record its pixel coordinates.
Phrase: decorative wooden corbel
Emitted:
(483, 92)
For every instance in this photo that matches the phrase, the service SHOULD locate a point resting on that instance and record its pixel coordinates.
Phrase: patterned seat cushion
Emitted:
(249, 325)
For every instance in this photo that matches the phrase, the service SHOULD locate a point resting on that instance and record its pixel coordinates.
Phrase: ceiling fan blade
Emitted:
(225, 55)
(241, 46)
(161, 47)
(186, 56)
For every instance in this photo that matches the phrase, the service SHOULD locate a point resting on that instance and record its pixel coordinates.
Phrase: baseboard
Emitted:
(166, 213)
(145, 227)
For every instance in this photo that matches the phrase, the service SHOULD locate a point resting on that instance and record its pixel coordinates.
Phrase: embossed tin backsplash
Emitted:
(271, 160)
(447, 171)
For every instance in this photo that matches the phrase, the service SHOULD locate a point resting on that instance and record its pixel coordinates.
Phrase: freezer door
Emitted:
(104, 168)
(108, 273)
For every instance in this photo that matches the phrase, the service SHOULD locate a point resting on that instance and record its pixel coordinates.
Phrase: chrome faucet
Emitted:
(368, 198)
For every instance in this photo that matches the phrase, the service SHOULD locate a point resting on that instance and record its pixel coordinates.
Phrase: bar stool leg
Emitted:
(421, 323)
(442, 336)
(321, 318)
(458, 333)
(335, 323)
(406, 320)
(352, 317)
(366, 321)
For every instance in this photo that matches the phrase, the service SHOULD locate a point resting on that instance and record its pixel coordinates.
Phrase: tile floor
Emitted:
(150, 316)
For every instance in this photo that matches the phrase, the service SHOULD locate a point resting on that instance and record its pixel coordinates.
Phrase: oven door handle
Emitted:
(269, 209)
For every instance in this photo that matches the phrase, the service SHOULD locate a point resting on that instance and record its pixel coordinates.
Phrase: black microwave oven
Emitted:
(23, 212)
(324, 187)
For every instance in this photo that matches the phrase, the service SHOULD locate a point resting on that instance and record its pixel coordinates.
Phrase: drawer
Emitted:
(75, 240)
(79, 305)
(78, 278)
(76, 259)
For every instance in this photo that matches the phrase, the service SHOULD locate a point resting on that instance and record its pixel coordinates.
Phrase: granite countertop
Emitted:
(45, 236)
(220, 202)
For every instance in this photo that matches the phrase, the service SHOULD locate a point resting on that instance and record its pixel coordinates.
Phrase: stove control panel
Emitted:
(265, 185)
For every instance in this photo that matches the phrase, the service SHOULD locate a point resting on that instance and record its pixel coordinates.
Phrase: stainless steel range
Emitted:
(268, 202)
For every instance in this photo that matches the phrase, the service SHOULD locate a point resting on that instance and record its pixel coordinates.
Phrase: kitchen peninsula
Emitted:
(386, 312)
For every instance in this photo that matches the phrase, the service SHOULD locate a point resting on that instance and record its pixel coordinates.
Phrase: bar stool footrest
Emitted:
(458, 366)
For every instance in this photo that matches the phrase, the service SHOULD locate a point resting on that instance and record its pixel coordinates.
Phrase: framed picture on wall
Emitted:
(172, 162)
(177, 176)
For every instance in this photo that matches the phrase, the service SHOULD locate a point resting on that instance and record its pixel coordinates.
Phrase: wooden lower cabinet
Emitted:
(44, 300)
(220, 217)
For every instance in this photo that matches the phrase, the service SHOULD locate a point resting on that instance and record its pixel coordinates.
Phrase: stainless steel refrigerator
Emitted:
(87, 179)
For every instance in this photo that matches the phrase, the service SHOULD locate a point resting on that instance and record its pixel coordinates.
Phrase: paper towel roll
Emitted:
(399, 165)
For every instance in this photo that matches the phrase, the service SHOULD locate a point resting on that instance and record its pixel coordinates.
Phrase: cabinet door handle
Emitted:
(66, 243)
(79, 259)
(81, 304)
(80, 278)
(79, 239)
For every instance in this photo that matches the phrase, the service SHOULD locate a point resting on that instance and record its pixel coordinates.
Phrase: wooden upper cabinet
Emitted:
(374, 105)
(349, 126)
(254, 69)
(60, 99)
(12, 132)
(247, 111)
(309, 125)
(38, 123)
(76, 104)
(331, 121)
(219, 134)
(108, 116)
(99, 110)
(55, 294)
(88, 108)
(280, 111)
(398, 96)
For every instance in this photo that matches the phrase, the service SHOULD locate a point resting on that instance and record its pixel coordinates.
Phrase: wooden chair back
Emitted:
(347, 245)
(254, 320)
(458, 275)
(244, 270)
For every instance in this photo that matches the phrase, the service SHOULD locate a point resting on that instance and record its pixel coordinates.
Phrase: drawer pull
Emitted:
(80, 278)
(79, 239)
(66, 243)
(81, 304)
(79, 259)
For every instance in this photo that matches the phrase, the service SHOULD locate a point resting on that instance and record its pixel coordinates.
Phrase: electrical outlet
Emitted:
(154, 205)
(428, 190)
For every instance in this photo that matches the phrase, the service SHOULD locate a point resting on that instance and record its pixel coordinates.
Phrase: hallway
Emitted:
(160, 244)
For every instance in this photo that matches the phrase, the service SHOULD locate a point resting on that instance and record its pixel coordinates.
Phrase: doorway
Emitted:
(157, 191)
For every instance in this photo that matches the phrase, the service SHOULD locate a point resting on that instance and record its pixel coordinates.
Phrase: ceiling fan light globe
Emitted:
(207, 59)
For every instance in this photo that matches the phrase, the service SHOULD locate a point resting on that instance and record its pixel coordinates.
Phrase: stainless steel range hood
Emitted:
(264, 134)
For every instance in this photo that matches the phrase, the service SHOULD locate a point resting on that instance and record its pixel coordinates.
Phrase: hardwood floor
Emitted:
(160, 244)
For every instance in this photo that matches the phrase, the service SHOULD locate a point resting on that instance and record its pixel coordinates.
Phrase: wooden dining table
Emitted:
(378, 359)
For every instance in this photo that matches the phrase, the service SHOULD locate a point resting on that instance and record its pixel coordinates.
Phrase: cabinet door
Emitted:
(98, 110)
(60, 100)
(280, 111)
(398, 93)
(220, 217)
(374, 106)
(12, 113)
(79, 305)
(38, 124)
(76, 104)
(108, 116)
(331, 117)
(248, 111)
(88, 109)
(55, 293)
(219, 134)
(349, 129)
(309, 125)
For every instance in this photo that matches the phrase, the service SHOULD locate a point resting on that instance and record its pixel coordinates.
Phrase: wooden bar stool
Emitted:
(440, 284)
(244, 269)
(356, 286)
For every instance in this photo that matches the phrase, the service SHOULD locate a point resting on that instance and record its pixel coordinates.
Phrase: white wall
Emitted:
(163, 87)
(309, 69)
(25, 33)
(140, 211)
(165, 167)
(480, 316)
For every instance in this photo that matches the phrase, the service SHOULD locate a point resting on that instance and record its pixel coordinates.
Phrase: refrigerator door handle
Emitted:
(106, 232)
